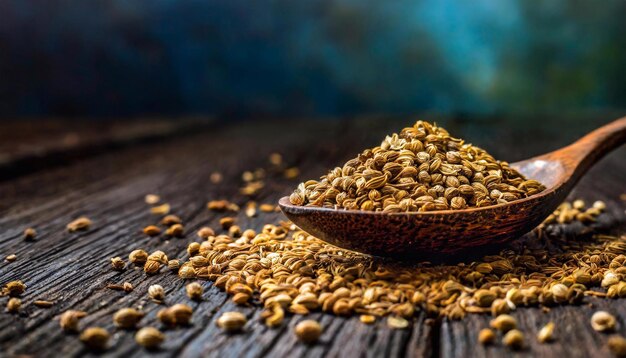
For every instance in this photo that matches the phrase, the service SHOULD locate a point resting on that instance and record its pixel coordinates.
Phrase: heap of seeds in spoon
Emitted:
(421, 169)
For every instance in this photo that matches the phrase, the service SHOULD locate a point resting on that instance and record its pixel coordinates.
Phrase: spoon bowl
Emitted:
(450, 232)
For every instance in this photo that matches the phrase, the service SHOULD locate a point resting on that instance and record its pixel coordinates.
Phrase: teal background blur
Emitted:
(288, 58)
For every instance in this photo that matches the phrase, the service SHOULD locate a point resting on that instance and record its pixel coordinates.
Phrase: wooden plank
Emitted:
(73, 269)
(30, 145)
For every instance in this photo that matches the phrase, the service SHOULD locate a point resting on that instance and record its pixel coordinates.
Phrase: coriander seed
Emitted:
(95, 338)
(193, 249)
(222, 205)
(267, 208)
(179, 314)
(397, 322)
(30, 234)
(617, 345)
(152, 199)
(175, 230)
(231, 321)
(500, 306)
(602, 321)
(162, 209)
(216, 178)
(514, 339)
(151, 230)
(156, 292)
(504, 323)
(546, 333)
(486, 336)
(205, 232)
(234, 231)
(194, 291)
(187, 272)
(127, 318)
(43, 303)
(69, 320)
(170, 220)
(173, 265)
(13, 305)
(227, 222)
(276, 159)
(251, 209)
(182, 313)
(158, 256)
(291, 173)
(138, 257)
(151, 267)
(80, 224)
(149, 337)
(117, 263)
(14, 288)
(241, 298)
(308, 331)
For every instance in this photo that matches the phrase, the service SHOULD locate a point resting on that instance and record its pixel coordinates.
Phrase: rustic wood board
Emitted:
(73, 269)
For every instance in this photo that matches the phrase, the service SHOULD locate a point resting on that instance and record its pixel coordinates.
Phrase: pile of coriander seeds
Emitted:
(287, 271)
(422, 168)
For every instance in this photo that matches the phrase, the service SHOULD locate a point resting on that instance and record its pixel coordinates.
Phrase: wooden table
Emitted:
(107, 183)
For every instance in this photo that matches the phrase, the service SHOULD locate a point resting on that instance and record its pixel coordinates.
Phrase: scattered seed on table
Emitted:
(162, 209)
(397, 322)
(514, 339)
(152, 199)
(30, 234)
(504, 323)
(14, 288)
(127, 318)
(13, 305)
(231, 321)
(151, 230)
(546, 333)
(194, 291)
(227, 222)
(603, 321)
(69, 320)
(95, 338)
(179, 314)
(80, 224)
(117, 263)
(138, 257)
(149, 337)
(170, 220)
(43, 303)
(151, 267)
(486, 336)
(156, 292)
(216, 177)
(205, 232)
(617, 345)
(173, 265)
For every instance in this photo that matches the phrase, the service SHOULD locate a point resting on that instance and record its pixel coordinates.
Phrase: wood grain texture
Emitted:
(30, 145)
(73, 269)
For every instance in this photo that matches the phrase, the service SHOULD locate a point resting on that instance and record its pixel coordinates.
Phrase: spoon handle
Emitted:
(581, 155)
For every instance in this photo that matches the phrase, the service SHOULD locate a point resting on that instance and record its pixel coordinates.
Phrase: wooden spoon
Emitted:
(420, 234)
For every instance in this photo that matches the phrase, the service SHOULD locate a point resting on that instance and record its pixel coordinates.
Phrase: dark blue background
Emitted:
(310, 58)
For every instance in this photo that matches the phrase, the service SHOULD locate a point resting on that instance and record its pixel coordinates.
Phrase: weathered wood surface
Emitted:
(73, 269)
(29, 145)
